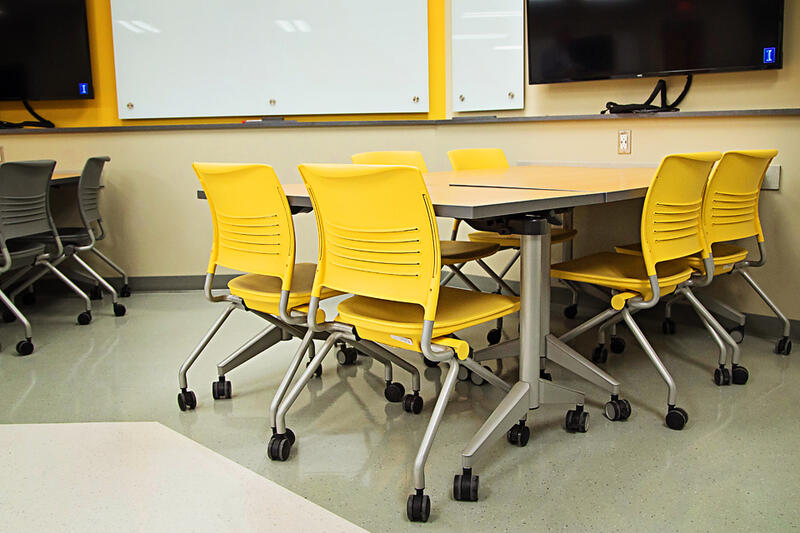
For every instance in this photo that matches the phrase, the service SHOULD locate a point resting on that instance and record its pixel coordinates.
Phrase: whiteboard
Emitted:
(488, 55)
(206, 58)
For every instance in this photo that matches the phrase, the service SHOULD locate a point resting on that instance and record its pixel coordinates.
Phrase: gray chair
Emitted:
(24, 214)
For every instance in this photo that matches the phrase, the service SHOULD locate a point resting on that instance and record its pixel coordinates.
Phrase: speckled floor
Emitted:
(735, 467)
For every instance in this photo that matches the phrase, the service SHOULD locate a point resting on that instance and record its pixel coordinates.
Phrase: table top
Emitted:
(66, 177)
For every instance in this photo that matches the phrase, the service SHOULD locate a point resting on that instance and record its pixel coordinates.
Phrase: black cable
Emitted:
(647, 106)
(40, 121)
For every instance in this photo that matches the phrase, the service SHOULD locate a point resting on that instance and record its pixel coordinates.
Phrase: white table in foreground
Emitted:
(139, 476)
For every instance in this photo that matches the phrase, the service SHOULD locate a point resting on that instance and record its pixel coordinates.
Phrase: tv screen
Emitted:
(44, 50)
(571, 40)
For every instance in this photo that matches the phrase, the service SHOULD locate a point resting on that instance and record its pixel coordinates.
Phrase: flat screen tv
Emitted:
(572, 40)
(44, 50)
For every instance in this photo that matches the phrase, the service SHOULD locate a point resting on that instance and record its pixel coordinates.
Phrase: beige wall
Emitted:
(158, 228)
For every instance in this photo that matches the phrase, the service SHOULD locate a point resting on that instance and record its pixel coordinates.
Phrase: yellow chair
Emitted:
(253, 233)
(489, 158)
(389, 258)
(671, 230)
(730, 212)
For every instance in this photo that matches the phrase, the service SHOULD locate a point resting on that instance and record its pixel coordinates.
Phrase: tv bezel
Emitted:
(777, 65)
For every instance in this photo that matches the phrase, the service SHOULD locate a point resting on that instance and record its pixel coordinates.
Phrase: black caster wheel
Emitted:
(279, 446)
(318, 371)
(784, 346)
(412, 403)
(476, 379)
(25, 347)
(418, 507)
(543, 374)
(429, 363)
(494, 336)
(617, 409)
(394, 392)
(668, 326)
(28, 298)
(84, 318)
(346, 355)
(187, 401)
(722, 376)
(577, 420)
(519, 435)
(119, 310)
(740, 375)
(465, 486)
(571, 311)
(221, 389)
(125, 291)
(463, 373)
(737, 334)
(8, 316)
(676, 418)
(96, 293)
(616, 344)
(600, 354)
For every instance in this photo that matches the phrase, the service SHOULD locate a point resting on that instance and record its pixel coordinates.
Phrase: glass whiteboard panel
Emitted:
(184, 58)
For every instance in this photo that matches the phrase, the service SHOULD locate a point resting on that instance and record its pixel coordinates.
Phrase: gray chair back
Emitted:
(89, 189)
(24, 198)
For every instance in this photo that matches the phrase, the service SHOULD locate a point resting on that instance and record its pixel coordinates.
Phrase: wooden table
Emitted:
(66, 177)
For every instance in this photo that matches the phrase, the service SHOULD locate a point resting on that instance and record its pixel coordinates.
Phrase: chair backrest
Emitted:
(377, 233)
(24, 198)
(253, 229)
(89, 189)
(477, 158)
(393, 157)
(730, 206)
(671, 217)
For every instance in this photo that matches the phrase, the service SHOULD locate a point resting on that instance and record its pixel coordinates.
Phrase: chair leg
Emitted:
(418, 506)
(125, 290)
(676, 417)
(308, 340)
(85, 317)
(25, 346)
(463, 277)
(784, 345)
(97, 277)
(186, 398)
(497, 279)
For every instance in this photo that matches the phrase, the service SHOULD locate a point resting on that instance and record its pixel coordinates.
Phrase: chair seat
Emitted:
(725, 256)
(454, 252)
(400, 324)
(622, 272)
(23, 252)
(75, 236)
(263, 293)
(558, 235)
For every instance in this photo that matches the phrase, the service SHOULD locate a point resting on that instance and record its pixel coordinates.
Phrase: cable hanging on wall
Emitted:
(647, 106)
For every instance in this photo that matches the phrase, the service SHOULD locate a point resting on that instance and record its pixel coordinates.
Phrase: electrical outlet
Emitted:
(772, 179)
(624, 142)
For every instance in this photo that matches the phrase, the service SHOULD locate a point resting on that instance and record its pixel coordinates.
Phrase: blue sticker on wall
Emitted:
(769, 55)
(83, 88)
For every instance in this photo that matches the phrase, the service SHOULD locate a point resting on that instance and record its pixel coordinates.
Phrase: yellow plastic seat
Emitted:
(557, 236)
(455, 252)
(725, 256)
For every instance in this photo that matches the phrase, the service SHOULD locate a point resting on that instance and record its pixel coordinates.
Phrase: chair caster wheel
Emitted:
(318, 371)
(465, 486)
(737, 334)
(125, 291)
(418, 507)
(412, 403)
(221, 389)
(617, 409)
(519, 434)
(25, 347)
(676, 418)
(429, 363)
(668, 326)
(543, 374)
(577, 420)
(96, 293)
(494, 336)
(279, 446)
(722, 376)
(571, 311)
(394, 392)
(740, 375)
(476, 379)
(616, 344)
(8, 316)
(784, 346)
(119, 310)
(84, 318)
(463, 373)
(600, 354)
(187, 400)
(346, 355)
